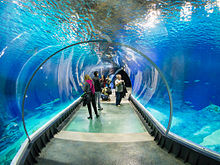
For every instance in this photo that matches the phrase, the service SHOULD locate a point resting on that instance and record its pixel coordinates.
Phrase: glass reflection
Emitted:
(181, 37)
(186, 12)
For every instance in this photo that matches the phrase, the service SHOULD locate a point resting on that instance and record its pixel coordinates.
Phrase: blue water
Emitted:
(181, 37)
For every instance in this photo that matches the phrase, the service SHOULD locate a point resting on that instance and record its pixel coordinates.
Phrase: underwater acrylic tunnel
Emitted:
(180, 37)
(109, 44)
(27, 153)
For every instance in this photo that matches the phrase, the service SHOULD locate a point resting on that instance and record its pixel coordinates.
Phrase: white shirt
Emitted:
(118, 85)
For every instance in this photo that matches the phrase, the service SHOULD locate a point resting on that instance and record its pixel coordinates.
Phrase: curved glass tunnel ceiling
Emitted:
(181, 37)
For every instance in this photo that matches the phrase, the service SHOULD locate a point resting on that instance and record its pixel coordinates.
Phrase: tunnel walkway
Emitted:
(117, 137)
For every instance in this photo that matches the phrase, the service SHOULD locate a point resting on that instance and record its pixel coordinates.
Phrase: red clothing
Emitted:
(91, 86)
(103, 83)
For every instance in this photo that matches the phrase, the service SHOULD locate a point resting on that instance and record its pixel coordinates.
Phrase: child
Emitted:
(105, 94)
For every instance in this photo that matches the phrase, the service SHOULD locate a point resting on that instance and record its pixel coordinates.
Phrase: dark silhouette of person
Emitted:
(98, 89)
(103, 81)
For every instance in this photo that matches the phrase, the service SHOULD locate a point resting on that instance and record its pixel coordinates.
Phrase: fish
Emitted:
(188, 102)
(32, 51)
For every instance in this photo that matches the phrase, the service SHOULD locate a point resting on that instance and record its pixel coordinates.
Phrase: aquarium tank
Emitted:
(182, 38)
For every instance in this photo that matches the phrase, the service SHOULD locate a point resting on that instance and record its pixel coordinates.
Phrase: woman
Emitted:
(108, 81)
(89, 89)
(119, 89)
(103, 81)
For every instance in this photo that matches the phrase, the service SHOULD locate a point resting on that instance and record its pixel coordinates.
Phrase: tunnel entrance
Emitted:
(124, 77)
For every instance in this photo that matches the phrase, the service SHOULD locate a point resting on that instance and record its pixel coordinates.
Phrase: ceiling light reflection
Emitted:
(186, 12)
(151, 19)
(209, 8)
(218, 3)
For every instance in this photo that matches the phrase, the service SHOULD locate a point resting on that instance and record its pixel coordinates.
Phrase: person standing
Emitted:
(119, 89)
(103, 81)
(98, 90)
(89, 89)
(108, 81)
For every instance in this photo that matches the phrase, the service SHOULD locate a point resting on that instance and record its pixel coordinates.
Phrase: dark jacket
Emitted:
(97, 84)
(88, 96)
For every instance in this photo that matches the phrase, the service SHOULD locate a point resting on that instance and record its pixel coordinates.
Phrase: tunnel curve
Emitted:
(111, 43)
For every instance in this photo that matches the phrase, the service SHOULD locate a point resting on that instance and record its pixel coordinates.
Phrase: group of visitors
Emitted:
(95, 89)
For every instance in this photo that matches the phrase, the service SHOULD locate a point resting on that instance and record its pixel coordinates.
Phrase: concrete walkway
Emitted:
(112, 119)
(104, 137)
(116, 138)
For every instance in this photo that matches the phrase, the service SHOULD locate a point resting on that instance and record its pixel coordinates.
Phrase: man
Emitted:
(119, 89)
(97, 85)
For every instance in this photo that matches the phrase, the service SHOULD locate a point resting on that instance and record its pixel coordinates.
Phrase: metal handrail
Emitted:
(163, 78)
(92, 41)
(34, 73)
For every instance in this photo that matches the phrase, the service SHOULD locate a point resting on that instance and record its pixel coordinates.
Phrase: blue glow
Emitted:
(181, 37)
